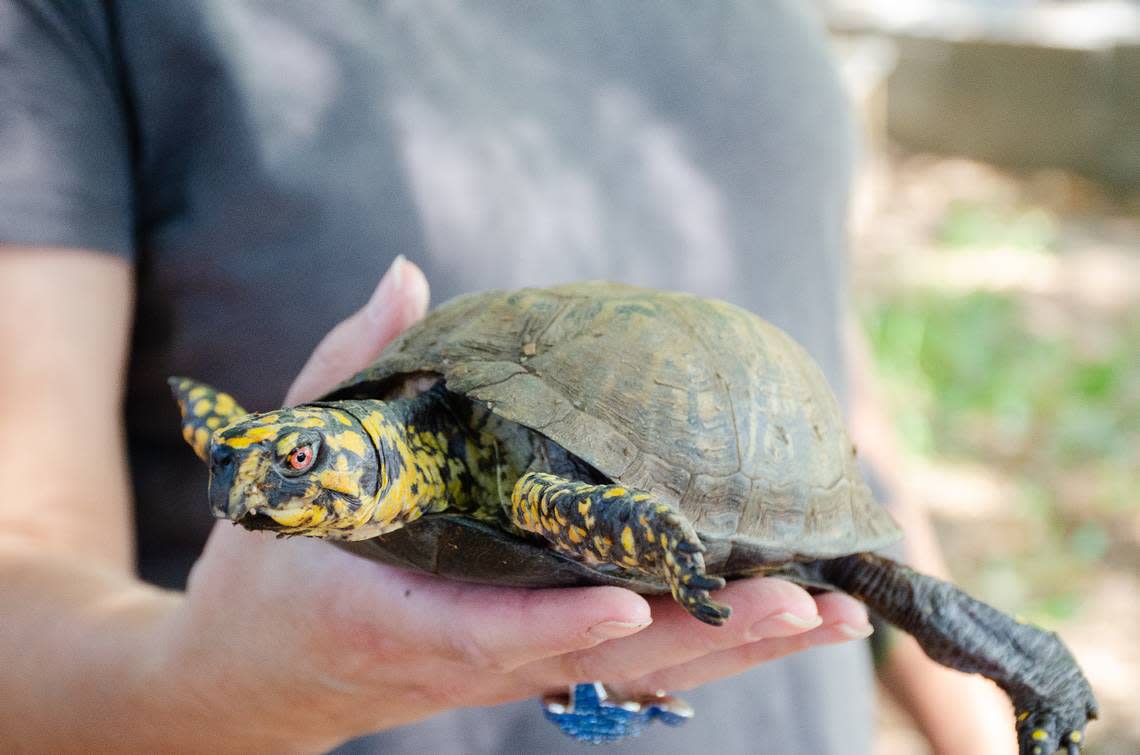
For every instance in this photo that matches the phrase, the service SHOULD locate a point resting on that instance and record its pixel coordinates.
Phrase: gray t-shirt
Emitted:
(263, 162)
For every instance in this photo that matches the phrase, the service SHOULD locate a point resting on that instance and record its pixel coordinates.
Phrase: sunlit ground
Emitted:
(1004, 315)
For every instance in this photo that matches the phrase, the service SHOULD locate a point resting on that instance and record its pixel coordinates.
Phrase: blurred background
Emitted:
(997, 280)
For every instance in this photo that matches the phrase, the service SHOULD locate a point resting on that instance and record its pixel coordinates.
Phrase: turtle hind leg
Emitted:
(1051, 696)
(617, 525)
(204, 410)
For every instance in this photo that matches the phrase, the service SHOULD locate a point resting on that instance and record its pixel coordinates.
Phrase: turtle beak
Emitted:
(223, 467)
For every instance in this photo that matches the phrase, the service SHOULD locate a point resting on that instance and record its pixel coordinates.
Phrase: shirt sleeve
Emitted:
(65, 145)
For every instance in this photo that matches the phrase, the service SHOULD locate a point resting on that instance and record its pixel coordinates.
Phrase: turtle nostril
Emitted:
(221, 455)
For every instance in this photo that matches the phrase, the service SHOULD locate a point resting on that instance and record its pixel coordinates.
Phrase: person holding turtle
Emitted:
(204, 190)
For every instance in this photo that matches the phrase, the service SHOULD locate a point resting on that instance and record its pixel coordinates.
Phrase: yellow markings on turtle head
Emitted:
(341, 417)
(214, 422)
(202, 407)
(286, 444)
(341, 478)
(251, 436)
(411, 488)
(306, 516)
(347, 440)
(195, 393)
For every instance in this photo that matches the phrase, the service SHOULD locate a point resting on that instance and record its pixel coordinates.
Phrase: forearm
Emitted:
(77, 638)
(941, 701)
(92, 663)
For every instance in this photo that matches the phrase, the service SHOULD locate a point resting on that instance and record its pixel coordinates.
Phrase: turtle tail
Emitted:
(204, 410)
(1051, 696)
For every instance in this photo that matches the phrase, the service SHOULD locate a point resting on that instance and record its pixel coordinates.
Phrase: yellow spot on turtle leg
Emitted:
(1074, 736)
(225, 405)
(201, 438)
(627, 541)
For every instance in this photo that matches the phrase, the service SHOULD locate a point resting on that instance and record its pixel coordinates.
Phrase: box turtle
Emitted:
(603, 434)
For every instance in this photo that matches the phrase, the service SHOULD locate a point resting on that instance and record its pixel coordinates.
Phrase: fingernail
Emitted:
(782, 625)
(611, 630)
(397, 270)
(390, 281)
(380, 303)
(855, 633)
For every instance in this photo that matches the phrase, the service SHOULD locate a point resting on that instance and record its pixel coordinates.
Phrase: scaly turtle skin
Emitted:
(603, 434)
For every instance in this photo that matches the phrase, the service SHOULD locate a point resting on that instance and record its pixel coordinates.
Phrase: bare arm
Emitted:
(956, 712)
(95, 659)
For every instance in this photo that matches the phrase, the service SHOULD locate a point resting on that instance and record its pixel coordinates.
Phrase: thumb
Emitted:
(400, 299)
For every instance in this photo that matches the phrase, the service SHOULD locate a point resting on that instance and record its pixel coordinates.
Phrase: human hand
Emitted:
(300, 645)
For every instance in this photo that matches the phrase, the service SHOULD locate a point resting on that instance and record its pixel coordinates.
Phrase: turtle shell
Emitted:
(701, 403)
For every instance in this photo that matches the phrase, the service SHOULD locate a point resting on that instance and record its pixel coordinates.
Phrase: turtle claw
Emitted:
(685, 572)
(1038, 734)
(709, 611)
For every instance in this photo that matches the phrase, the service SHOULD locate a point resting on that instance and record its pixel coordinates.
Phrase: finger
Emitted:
(400, 299)
(843, 619)
(762, 607)
(497, 628)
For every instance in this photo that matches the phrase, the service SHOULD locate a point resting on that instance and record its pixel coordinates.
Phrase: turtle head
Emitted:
(309, 470)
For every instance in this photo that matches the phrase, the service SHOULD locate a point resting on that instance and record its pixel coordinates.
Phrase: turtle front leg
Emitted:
(616, 525)
(204, 409)
(1051, 696)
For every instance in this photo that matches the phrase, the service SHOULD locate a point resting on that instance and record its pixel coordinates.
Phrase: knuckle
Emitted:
(586, 666)
(575, 667)
(437, 696)
(473, 651)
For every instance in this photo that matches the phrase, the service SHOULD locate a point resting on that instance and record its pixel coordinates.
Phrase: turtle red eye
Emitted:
(301, 458)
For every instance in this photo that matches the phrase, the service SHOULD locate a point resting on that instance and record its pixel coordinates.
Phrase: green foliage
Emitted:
(979, 224)
(972, 378)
